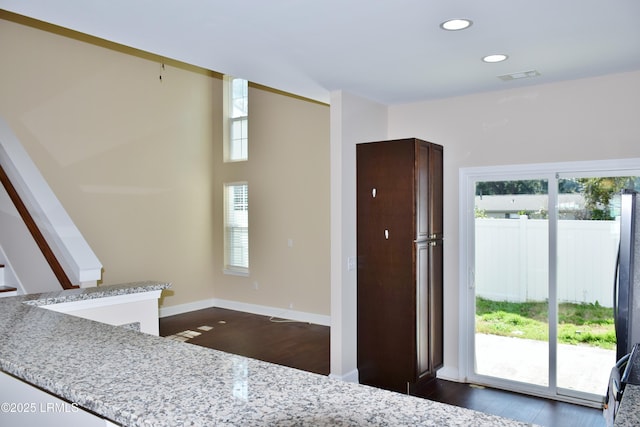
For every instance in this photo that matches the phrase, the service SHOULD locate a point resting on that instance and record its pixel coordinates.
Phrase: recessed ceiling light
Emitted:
(498, 57)
(456, 24)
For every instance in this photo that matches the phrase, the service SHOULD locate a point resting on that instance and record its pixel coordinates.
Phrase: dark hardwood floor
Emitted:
(294, 344)
(305, 346)
(535, 410)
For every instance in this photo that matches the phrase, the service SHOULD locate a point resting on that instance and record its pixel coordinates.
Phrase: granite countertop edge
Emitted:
(26, 305)
(133, 378)
(84, 294)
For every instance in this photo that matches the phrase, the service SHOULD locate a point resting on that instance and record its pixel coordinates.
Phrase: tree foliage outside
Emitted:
(598, 192)
(499, 188)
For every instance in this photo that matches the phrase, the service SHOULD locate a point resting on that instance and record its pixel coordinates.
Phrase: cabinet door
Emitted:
(423, 310)
(435, 191)
(386, 283)
(429, 308)
(423, 184)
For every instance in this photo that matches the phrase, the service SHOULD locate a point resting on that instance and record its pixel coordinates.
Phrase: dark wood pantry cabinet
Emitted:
(399, 226)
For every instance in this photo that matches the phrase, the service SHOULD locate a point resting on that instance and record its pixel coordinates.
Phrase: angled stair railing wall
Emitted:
(65, 250)
(57, 269)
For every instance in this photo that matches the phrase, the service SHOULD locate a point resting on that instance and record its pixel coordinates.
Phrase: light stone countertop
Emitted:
(82, 294)
(629, 412)
(135, 379)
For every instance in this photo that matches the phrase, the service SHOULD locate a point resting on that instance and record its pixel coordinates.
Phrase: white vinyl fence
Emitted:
(512, 260)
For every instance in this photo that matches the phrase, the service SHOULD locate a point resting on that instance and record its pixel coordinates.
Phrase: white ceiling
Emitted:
(390, 51)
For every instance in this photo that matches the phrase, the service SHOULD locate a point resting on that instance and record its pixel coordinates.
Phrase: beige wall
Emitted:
(587, 119)
(136, 161)
(288, 177)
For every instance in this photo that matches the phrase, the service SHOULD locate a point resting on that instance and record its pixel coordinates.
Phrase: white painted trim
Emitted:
(466, 275)
(618, 167)
(66, 307)
(449, 374)
(350, 377)
(186, 308)
(263, 310)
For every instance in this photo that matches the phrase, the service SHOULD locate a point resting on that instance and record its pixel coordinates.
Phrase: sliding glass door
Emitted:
(588, 237)
(511, 280)
(537, 276)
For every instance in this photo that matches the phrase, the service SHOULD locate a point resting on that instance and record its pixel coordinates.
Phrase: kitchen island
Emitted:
(135, 379)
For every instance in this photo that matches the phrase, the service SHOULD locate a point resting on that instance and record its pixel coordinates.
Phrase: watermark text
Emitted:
(38, 407)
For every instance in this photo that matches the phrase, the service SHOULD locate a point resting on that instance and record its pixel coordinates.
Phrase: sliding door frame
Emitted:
(468, 177)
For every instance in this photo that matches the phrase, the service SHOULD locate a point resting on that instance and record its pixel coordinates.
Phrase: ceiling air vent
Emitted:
(520, 75)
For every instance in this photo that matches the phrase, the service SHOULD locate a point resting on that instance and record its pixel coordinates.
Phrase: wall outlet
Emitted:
(290, 306)
(255, 286)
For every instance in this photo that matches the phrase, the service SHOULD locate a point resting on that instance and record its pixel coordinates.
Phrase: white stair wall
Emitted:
(65, 240)
(20, 252)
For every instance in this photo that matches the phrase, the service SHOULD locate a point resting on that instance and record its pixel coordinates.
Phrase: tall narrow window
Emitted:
(236, 228)
(236, 99)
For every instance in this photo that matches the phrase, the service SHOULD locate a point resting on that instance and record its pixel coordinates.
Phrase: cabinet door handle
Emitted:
(386, 234)
(374, 192)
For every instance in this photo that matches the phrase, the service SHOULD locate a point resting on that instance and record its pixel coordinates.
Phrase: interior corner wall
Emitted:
(131, 145)
(353, 120)
(586, 119)
(288, 179)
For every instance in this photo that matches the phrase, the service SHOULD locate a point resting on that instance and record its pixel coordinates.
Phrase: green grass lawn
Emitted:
(589, 324)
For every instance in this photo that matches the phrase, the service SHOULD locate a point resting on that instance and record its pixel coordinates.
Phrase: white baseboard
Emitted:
(350, 377)
(300, 316)
(186, 308)
(263, 310)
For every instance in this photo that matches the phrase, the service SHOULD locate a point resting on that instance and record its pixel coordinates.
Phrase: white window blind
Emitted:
(236, 228)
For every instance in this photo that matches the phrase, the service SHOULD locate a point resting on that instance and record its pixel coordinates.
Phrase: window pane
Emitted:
(237, 227)
(588, 240)
(238, 143)
(236, 113)
(511, 280)
(240, 98)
